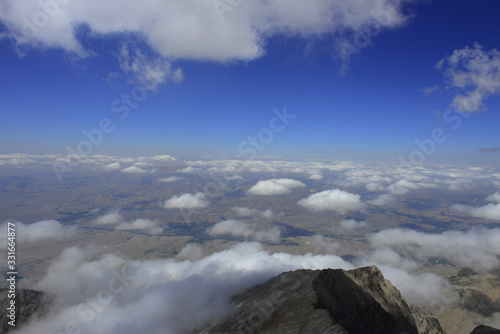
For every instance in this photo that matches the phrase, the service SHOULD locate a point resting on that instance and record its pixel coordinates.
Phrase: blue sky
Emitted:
(372, 106)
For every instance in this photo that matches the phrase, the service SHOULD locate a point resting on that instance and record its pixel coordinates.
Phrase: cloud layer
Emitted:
(477, 248)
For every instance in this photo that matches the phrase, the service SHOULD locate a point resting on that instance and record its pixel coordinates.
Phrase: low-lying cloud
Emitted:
(254, 213)
(108, 294)
(141, 224)
(275, 187)
(332, 200)
(187, 201)
(476, 248)
(489, 211)
(39, 231)
(245, 230)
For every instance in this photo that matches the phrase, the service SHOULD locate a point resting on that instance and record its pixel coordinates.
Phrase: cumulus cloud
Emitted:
(137, 170)
(332, 200)
(275, 187)
(212, 32)
(388, 256)
(141, 224)
(187, 201)
(476, 248)
(39, 231)
(489, 211)
(112, 217)
(245, 230)
(382, 200)
(192, 252)
(422, 290)
(170, 179)
(494, 198)
(147, 72)
(322, 244)
(246, 212)
(402, 187)
(349, 225)
(474, 72)
(112, 166)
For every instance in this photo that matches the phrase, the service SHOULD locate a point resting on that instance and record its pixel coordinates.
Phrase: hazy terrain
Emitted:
(179, 225)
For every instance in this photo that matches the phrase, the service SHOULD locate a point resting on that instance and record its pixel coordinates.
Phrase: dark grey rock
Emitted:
(481, 329)
(324, 301)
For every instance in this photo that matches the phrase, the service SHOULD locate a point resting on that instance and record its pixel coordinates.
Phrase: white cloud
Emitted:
(474, 72)
(112, 166)
(275, 187)
(186, 170)
(322, 244)
(170, 179)
(110, 218)
(477, 248)
(489, 211)
(315, 175)
(332, 200)
(245, 230)
(137, 170)
(494, 198)
(351, 224)
(146, 225)
(192, 252)
(39, 231)
(193, 30)
(107, 294)
(147, 72)
(382, 200)
(402, 187)
(390, 257)
(244, 212)
(162, 157)
(429, 90)
(187, 201)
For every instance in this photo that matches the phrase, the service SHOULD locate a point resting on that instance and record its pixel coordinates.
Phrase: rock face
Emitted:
(325, 301)
(27, 303)
(485, 330)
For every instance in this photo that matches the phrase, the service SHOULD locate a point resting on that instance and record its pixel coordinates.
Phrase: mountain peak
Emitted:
(324, 301)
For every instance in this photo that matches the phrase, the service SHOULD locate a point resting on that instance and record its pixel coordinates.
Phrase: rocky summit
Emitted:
(325, 301)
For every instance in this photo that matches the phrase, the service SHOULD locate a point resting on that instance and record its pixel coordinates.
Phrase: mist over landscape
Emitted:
(159, 159)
